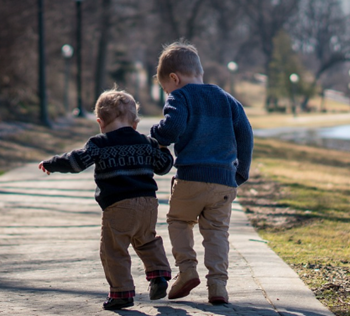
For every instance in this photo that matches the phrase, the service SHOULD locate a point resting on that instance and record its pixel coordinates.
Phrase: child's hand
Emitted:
(41, 166)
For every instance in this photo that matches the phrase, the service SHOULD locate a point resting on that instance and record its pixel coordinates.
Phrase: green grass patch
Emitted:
(322, 242)
(314, 186)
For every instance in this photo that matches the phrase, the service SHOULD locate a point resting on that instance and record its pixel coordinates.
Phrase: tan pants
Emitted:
(130, 221)
(209, 205)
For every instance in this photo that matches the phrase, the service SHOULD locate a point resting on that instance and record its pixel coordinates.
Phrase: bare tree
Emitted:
(322, 33)
(180, 17)
(267, 18)
(116, 17)
(18, 46)
(170, 20)
(122, 32)
(105, 25)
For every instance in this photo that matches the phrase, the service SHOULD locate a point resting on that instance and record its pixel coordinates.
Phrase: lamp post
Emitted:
(294, 79)
(41, 70)
(67, 53)
(78, 38)
(232, 67)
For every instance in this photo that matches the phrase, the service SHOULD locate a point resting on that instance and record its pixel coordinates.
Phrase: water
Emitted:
(337, 137)
(338, 132)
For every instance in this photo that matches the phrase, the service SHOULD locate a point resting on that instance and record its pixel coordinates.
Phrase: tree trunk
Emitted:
(100, 73)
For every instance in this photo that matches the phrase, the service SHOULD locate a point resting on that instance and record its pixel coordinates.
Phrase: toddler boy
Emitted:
(125, 162)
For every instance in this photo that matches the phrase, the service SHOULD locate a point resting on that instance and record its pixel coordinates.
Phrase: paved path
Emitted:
(49, 256)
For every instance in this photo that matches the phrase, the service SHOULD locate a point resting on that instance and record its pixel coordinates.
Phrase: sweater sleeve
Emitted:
(245, 141)
(174, 123)
(163, 161)
(73, 162)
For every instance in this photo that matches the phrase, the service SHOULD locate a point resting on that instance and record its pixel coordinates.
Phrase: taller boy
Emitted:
(213, 145)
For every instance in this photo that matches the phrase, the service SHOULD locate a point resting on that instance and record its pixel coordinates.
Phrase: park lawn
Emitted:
(314, 185)
(310, 120)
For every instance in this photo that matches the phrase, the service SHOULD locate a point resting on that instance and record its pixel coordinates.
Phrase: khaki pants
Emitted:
(209, 205)
(130, 221)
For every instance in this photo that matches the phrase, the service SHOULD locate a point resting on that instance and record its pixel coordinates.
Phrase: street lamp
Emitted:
(232, 67)
(78, 37)
(67, 53)
(294, 79)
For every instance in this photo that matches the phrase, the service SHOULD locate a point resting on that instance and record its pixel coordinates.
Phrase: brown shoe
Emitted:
(185, 282)
(217, 294)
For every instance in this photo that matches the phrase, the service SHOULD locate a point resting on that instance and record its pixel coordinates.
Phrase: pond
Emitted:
(337, 137)
(338, 132)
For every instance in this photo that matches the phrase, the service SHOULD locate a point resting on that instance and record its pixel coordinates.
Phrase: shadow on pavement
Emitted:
(13, 287)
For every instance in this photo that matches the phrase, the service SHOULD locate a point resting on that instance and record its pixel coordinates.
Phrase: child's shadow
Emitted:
(228, 309)
(162, 310)
(224, 309)
(167, 310)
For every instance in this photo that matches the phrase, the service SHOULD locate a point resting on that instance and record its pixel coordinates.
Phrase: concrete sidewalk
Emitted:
(49, 256)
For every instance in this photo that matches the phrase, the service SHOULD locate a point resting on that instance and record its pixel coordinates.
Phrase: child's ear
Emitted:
(174, 78)
(100, 122)
(134, 125)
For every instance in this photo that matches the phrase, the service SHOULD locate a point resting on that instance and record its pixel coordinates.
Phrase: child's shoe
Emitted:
(158, 288)
(117, 303)
(217, 294)
(186, 281)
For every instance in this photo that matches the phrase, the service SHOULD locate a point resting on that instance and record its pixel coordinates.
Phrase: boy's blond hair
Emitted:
(181, 57)
(114, 104)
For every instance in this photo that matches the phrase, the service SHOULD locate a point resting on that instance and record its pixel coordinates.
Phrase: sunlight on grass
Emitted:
(316, 185)
(313, 174)
(319, 184)
(324, 241)
(303, 120)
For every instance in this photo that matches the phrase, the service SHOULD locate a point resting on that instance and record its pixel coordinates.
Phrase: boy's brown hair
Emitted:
(181, 57)
(114, 104)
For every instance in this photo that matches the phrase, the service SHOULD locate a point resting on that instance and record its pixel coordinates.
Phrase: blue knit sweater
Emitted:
(211, 132)
(125, 162)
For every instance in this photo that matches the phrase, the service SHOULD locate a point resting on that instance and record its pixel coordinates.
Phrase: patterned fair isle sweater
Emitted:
(211, 132)
(125, 163)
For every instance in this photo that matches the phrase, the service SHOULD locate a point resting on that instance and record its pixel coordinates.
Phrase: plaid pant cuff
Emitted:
(158, 273)
(125, 294)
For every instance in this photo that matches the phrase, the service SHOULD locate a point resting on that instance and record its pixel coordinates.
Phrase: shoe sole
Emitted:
(160, 293)
(117, 307)
(186, 289)
(218, 300)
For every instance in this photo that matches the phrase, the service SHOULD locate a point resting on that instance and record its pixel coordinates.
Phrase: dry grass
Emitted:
(311, 120)
(298, 198)
(326, 169)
